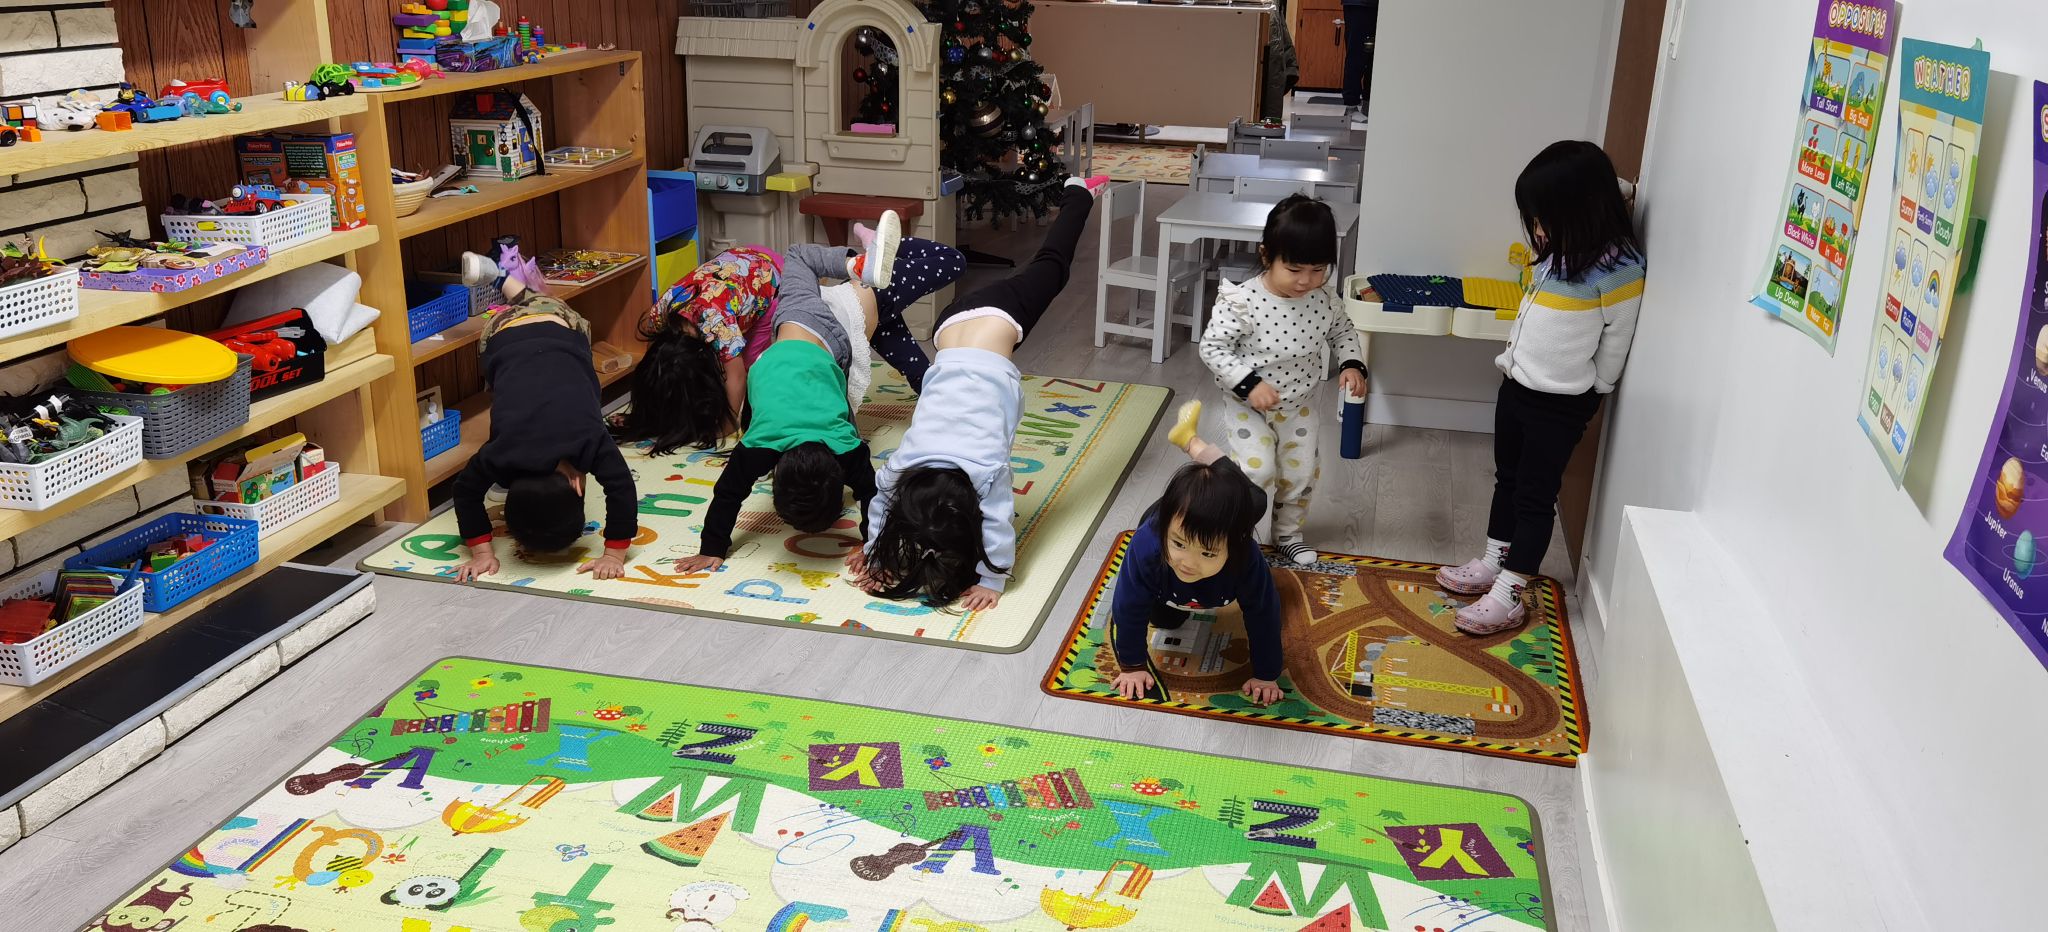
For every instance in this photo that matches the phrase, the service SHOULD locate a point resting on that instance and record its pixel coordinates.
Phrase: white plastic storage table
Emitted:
(1375, 317)
(1480, 323)
(37, 486)
(31, 662)
(308, 218)
(280, 511)
(33, 305)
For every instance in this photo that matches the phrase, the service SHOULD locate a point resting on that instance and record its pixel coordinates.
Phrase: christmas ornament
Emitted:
(956, 55)
(973, 9)
(959, 26)
(999, 55)
(864, 42)
(949, 97)
(987, 120)
(881, 70)
(1045, 91)
(983, 52)
(1040, 107)
(861, 74)
(1028, 133)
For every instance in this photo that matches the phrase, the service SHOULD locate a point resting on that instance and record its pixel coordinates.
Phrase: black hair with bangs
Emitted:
(1573, 211)
(1299, 230)
(1217, 504)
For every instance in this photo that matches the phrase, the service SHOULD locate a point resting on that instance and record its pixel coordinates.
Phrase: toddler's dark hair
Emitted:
(931, 541)
(1217, 504)
(1571, 191)
(809, 487)
(678, 389)
(543, 513)
(1300, 230)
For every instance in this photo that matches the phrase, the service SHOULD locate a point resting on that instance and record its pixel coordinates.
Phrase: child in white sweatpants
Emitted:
(1270, 342)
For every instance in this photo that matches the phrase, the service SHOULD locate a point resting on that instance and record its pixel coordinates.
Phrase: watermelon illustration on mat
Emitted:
(1271, 901)
(687, 845)
(1336, 920)
(663, 809)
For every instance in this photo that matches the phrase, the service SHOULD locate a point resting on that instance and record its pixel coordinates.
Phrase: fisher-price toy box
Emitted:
(308, 162)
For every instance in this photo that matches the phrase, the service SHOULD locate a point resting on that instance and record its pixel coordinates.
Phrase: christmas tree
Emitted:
(992, 105)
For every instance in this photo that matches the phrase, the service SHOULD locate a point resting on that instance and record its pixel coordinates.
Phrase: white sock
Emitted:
(1496, 553)
(1507, 588)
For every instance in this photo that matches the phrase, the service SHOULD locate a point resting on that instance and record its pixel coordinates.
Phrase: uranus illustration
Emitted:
(2023, 555)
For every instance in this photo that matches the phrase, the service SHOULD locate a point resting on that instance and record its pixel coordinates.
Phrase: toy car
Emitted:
(200, 98)
(141, 108)
(333, 80)
(9, 136)
(250, 199)
(293, 90)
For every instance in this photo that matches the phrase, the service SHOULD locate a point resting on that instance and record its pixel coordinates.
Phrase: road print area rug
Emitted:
(1371, 653)
(1079, 439)
(500, 798)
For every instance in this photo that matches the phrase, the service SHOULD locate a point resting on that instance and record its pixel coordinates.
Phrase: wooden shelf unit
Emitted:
(341, 411)
(597, 101)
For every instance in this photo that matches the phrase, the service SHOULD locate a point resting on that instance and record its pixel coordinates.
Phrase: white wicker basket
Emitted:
(309, 218)
(279, 511)
(37, 486)
(31, 662)
(32, 305)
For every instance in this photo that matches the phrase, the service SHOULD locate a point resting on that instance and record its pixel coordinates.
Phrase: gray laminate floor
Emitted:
(1418, 494)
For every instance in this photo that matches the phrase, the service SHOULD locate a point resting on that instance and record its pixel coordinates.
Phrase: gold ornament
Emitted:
(949, 97)
(987, 120)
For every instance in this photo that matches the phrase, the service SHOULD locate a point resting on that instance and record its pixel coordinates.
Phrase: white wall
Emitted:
(1731, 414)
(1465, 92)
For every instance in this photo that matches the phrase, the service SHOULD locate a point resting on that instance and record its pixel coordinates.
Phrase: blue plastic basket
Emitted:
(434, 308)
(234, 549)
(671, 203)
(443, 435)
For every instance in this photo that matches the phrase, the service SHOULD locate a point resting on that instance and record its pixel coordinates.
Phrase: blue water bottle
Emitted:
(1352, 446)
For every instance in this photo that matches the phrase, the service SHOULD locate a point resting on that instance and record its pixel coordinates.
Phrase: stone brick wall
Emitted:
(49, 48)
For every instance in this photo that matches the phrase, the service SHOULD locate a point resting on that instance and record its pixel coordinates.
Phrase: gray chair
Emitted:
(1295, 150)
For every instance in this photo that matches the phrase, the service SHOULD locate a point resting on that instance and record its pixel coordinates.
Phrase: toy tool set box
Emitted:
(287, 352)
(322, 164)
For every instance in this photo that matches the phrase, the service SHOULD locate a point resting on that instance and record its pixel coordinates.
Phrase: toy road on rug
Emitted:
(1371, 653)
(501, 798)
(1078, 441)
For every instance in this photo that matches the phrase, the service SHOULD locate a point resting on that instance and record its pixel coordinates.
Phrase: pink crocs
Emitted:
(1487, 615)
(1474, 578)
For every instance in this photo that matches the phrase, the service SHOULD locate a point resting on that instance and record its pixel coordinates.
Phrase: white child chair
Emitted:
(1138, 273)
(1295, 150)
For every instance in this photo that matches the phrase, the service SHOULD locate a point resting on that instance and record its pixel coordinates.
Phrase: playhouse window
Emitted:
(870, 99)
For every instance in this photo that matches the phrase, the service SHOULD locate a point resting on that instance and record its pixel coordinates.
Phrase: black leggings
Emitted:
(1534, 434)
(1027, 293)
(1361, 20)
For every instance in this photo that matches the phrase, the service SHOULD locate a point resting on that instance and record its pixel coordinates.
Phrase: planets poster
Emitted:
(1942, 92)
(2004, 525)
(1814, 231)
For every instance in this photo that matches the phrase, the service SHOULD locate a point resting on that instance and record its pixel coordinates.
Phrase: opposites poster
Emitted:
(2005, 519)
(1941, 121)
(1814, 231)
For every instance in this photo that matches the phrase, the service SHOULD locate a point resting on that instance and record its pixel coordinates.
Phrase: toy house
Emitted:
(497, 134)
(794, 78)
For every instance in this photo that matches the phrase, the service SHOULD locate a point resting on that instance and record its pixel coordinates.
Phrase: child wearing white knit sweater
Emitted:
(1565, 352)
(1270, 343)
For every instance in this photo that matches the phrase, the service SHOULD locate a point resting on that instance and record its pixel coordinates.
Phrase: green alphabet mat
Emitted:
(499, 798)
(1371, 653)
(1079, 439)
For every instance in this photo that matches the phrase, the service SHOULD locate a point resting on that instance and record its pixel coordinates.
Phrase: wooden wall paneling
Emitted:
(603, 107)
(291, 38)
(349, 23)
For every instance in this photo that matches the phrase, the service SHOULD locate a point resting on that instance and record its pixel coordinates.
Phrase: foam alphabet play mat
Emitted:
(494, 797)
(1078, 440)
(1371, 653)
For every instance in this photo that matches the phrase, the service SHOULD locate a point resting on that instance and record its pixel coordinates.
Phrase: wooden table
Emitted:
(1335, 179)
(1201, 215)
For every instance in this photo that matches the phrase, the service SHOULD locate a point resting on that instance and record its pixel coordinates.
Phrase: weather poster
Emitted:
(2005, 519)
(1941, 122)
(1814, 232)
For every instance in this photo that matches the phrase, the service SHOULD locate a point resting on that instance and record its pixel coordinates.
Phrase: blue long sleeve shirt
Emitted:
(1146, 582)
(966, 418)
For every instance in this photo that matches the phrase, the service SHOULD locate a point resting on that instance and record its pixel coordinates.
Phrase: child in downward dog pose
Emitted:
(547, 434)
(1270, 342)
(1194, 550)
(1564, 354)
(941, 514)
(715, 322)
(804, 388)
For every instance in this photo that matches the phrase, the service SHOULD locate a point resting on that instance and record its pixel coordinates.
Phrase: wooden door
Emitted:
(1319, 44)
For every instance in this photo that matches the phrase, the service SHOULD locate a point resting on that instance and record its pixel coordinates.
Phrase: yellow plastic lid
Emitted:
(151, 354)
(789, 181)
(1493, 294)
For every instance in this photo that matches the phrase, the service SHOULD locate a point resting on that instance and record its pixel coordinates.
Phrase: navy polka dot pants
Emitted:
(922, 267)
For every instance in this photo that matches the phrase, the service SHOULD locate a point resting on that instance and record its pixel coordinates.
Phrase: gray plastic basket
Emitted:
(176, 422)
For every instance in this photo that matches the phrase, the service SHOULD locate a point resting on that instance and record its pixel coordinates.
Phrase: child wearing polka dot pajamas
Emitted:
(1270, 342)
